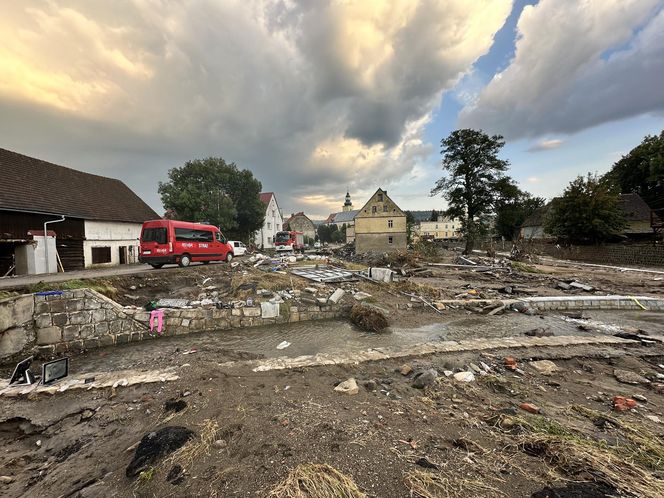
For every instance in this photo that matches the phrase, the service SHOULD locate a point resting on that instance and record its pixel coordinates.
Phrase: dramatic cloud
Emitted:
(577, 65)
(545, 145)
(313, 96)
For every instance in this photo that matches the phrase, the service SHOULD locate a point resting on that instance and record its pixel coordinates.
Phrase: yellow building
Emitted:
(380, 226)
(443, 228)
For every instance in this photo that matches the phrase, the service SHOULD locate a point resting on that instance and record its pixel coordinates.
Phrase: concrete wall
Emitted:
(114, 235)
(379, 242)
(84, 319)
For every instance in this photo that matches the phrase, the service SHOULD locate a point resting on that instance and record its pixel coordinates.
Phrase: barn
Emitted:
(91, 220)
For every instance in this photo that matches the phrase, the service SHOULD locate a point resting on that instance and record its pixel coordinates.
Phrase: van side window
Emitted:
(218, 236)
(190, 235)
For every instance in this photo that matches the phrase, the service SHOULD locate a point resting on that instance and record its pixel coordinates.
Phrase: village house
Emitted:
(380, 226)
(92, 220)
(346, 217)
(442, 229)
(300, 222)
(273, 223)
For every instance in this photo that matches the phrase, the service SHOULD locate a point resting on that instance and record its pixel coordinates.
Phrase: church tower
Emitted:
(348, 205)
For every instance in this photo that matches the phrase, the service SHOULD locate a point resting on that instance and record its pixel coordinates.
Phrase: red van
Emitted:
(181, 242)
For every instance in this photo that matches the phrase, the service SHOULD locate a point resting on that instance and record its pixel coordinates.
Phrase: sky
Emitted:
(318, 97)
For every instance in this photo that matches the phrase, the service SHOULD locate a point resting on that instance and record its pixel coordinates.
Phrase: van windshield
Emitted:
(282, 237)
(157, 235)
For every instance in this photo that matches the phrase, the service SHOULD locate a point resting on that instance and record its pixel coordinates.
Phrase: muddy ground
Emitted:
(390, 439)
(449, 439)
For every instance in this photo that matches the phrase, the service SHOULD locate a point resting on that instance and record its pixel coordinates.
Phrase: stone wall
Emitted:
(84, 319)
(16, 324)
(644, 254)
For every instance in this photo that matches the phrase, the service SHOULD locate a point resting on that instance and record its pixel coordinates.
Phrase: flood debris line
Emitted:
(100, 380)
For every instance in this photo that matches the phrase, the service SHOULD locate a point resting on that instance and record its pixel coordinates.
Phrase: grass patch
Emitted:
(311, 480)
(102, 286)
(197, 448)
(523, 267)
(7, 294)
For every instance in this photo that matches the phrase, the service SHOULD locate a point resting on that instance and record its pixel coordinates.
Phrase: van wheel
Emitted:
(157, 266)
(185, 260)
(229, 257)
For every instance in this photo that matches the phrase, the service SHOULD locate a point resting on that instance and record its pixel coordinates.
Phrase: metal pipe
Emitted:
(48, 266)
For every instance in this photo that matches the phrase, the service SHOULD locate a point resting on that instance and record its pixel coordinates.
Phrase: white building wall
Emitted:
(273, 223)
(114, 235)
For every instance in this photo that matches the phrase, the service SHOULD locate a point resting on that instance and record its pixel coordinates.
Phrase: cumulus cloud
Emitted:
(546, 145)
(577, 65)
(312, 96)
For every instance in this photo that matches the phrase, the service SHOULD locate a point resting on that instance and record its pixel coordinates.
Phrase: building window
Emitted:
(101, 255)
(436, 227)
(269, 225)
(385, 208)
(374, 210)
(380, 197)
(273, 213)
(390, 240)
(390, 224)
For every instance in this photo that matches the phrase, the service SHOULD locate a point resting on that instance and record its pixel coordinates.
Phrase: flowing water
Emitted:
(308, 338)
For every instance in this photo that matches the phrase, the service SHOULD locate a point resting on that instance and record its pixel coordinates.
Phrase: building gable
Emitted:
(380, 205)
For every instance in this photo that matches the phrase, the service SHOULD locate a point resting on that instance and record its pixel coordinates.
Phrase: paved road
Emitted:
(10, 282)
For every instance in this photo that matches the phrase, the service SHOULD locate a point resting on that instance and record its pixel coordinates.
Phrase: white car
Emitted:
(238, 247)
(317, 245)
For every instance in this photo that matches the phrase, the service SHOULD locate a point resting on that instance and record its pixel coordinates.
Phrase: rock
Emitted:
(545, 367)
(348, 387)
(322, 300)
(464, 376)
(439, 306)
(337, 295)
(220, 443)
(640, 397)
(539, 332)
(39, 443)
(530, 408)
(425, 379)
(628, 377)
(406, 369)
(578, 285)
(424, 462)
(369, 318)
(475, 368)
(520, 306)
(6, 479)
(310, 290)
(155, 445)
(448, 373)
(371, 385)
(654, 418)
(563, 286)
(576, 315)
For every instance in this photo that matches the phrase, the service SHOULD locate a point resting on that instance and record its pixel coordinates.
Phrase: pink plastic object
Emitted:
(159, 315)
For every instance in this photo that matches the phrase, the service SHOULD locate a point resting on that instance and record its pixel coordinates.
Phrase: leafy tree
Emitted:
(588, 211)
(434, 216)
(470, 157)
(324, 233)
(513, 206)
(410, 225)
(642, 171)
(214, 191)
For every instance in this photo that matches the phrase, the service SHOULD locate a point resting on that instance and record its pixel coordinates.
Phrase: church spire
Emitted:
(348, 205)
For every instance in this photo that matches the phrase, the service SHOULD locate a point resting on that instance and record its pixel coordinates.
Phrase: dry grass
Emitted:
(197, 448)
(443, 484)
(312, 480)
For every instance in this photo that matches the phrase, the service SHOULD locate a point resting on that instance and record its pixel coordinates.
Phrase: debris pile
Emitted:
(369, 318)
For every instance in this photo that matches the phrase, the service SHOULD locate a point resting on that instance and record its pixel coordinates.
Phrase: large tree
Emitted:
(589, 211)
(217, 192)
(470, 158)
(642, 171)
(513, 206)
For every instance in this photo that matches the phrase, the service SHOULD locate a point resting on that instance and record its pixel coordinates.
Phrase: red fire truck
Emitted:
(181, 242)
(289, 241)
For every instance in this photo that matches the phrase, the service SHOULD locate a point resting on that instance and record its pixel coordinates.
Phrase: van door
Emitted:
(222, 246)
(154, 241)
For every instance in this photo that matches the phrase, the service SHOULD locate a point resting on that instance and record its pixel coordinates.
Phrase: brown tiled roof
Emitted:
(635, 207)
(29, 184)
(265, 197)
